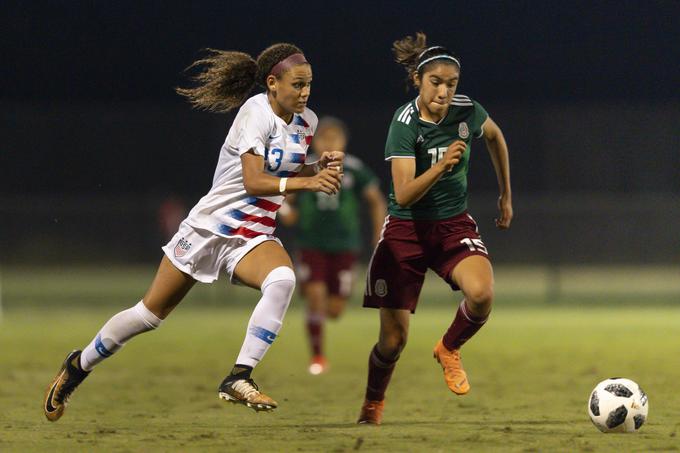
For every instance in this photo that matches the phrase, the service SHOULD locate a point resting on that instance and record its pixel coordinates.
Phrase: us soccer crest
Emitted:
(302, 137)
(463, 131)
(182, 247)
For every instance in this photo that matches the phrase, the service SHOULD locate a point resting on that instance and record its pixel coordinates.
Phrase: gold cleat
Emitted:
(65, 382)
(246, 392)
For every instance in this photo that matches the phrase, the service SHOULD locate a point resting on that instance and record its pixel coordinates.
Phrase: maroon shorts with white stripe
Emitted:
(336, 270)
(408, 248)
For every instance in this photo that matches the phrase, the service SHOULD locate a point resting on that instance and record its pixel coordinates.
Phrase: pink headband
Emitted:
(287, 63)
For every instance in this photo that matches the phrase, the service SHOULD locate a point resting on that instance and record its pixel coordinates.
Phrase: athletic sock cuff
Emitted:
(150, 320)
(278, 274)
(470, 317)
(378, 360)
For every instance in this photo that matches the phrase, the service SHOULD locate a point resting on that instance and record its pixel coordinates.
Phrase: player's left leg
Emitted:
(340, 288)
(316, 295)
(474, 276)
(269, 268)
(336, 306)
(382, 360)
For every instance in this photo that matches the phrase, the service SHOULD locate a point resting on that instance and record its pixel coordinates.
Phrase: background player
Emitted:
(329, 235)
(428, 146)
(230, 229)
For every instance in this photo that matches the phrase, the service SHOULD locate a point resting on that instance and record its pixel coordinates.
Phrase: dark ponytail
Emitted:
(414, 54)
(226, 78)
(406, 51)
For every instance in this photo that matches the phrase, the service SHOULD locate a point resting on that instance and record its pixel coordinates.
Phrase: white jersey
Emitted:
(227, 210)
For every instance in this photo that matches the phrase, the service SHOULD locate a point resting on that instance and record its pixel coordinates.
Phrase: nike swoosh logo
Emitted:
(48, 403)
(271, 338)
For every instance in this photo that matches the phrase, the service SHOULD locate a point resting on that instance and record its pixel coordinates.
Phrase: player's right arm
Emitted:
(250, 130)
(400, 148)
(260, 184)
(408, 188)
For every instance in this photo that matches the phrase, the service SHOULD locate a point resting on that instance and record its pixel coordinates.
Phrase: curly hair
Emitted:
(225, 78)
(410, 51)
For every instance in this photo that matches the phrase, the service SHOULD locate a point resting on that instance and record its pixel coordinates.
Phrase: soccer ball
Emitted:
(618, 405)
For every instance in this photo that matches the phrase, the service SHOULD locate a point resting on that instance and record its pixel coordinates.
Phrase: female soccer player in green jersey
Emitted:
(328, 236)
(428, 147)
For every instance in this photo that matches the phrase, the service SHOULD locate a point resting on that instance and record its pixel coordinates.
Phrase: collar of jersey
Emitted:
(269, 106)
(415, 102)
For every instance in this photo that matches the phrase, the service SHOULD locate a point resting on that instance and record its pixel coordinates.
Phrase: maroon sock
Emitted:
(379, 374)
(315, 332)
(464, 326)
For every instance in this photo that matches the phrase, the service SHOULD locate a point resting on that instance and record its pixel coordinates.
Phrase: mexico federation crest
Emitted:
(463, 130)
(182, 247)
(380, 288)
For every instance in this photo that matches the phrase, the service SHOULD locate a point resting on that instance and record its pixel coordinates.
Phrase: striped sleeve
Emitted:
(401, 137)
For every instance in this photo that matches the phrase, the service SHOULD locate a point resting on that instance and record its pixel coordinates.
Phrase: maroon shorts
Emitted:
(334, 269)
(408, 248)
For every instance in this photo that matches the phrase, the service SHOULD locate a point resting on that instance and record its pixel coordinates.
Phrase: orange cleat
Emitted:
(454, 374)
(318, 365)
(371, 412)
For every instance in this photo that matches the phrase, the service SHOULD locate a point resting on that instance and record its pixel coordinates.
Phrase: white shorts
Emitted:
(203, 254)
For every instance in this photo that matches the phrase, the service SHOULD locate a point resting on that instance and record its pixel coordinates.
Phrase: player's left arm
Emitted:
(288, 212)
(377, 207)
(498, 150)
(328, 159)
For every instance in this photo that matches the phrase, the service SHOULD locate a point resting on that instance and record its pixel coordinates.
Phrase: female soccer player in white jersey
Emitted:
(231, 228)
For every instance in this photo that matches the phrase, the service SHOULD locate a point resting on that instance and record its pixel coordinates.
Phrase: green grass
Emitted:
(531, 369)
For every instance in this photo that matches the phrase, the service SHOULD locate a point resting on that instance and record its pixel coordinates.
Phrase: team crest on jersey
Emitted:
(463, 130)
(301, 135)
(182, 247)
(380, 287)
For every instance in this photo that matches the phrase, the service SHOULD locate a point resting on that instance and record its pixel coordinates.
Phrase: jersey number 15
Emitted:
(437, 154)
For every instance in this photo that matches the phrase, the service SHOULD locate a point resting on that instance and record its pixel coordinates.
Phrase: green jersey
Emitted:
(411, 137)
(331, 222)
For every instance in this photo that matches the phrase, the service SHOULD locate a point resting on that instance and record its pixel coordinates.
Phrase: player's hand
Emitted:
(452, 155)
(326, 181)
(505, 211)
(332, 159)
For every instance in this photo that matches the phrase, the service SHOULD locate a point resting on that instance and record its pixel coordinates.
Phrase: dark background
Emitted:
(587, 93)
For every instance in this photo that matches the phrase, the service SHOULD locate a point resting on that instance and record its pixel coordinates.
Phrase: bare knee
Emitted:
(479, 298)
(336, 305)
(392, 343)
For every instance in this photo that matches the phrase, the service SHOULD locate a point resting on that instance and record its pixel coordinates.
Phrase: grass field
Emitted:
(531, 368)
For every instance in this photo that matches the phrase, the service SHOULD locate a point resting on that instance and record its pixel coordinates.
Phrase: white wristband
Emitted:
(316, 167)
(282, 185)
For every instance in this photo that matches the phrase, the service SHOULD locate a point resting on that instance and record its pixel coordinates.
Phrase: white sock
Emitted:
(266, 320)
(117, 330)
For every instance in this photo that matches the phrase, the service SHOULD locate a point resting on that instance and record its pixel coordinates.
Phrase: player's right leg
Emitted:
(167, 290)
(316, 295)
(394, 278)
(394, 324)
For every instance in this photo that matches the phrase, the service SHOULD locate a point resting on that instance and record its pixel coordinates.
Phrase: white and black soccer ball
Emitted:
(618, 405)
